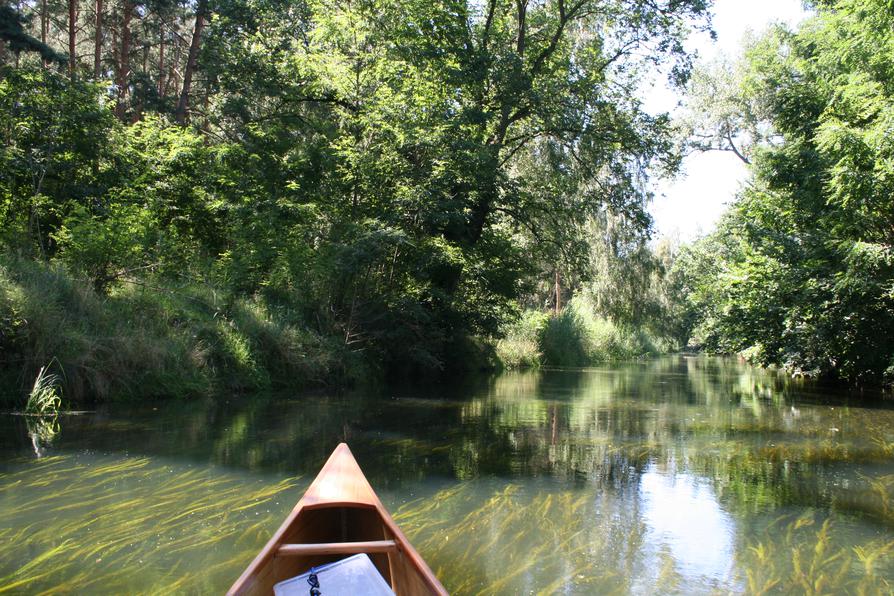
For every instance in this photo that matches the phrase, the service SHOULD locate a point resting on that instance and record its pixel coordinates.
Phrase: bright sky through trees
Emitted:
(691, 204)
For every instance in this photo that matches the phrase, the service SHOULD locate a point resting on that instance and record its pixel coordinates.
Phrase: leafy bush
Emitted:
(576, 337)
(520, 346)
(151, 339)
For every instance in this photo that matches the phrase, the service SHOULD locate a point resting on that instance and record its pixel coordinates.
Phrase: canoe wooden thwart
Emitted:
(338, 516)
(337, 548)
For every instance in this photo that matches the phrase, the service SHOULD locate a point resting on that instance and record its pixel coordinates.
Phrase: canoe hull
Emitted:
(339, 507)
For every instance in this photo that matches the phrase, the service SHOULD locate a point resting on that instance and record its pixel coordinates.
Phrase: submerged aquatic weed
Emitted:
(512, 540)
(808, 560)
(882, 489)
(136, 524)
(132, 525)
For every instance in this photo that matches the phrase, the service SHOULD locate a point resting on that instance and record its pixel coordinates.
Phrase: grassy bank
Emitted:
(576, 337)
(150, 338)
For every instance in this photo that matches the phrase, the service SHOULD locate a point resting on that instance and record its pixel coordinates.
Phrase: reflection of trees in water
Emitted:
(732, 424)
(722, 420)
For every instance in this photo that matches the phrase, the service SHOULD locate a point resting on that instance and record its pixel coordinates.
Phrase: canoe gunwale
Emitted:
(340, 484)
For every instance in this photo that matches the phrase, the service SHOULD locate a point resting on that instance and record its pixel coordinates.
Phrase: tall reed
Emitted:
(44, 398)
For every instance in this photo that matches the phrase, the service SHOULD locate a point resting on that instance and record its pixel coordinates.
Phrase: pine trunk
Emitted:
(123, 60)
(97, 42)
(72, 28)
(141, 104)
(183, 104)
(161, 61)
(44, 26)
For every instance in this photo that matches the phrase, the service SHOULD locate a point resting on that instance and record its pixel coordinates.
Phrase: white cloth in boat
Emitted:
(351, 576)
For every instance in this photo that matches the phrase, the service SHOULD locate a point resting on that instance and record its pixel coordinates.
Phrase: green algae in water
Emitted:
(116, 525)
(92, 524)
(690, 476)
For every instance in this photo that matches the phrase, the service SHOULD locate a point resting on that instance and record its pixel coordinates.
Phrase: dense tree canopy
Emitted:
(801, 270)
(396, 173)
(405, 175)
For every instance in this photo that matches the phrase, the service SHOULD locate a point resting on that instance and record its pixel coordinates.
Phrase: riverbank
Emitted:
(153, 339)
(575, 337)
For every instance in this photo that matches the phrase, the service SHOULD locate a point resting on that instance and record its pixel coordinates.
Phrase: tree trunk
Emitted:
(123, 60)
(44, 27)
(558, 294)
(141, 103)
(97, 42)
(206, 123)
(161, 61)
(72, 27)
(183, 104)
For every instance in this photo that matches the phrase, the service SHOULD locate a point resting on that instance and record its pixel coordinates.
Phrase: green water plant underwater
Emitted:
(177, 519)
(804, 559)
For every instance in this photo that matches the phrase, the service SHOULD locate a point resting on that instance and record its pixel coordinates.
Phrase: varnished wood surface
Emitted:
(337, 548)
(341, 481)
(338, 512)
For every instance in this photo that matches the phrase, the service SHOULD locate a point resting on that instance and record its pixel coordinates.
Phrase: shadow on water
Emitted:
(684, 474)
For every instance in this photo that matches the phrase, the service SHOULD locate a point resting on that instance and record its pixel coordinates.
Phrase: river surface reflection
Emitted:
(677, 475)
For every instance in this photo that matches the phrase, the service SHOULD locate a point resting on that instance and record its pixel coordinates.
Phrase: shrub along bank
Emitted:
(150, 338)
(575, 337)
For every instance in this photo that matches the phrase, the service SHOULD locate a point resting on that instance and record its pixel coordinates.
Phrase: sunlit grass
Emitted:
(163, 338)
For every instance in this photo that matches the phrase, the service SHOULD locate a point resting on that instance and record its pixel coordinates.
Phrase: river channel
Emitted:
(682, 474)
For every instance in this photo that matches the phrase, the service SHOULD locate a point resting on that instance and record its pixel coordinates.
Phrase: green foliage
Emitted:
(13, 33)
(800, 272)
(578, 336)
(44, 398)
(566, 338)
(147, 340)
(101, 249)
(632, 283)
(390, 176)
(520, 348)
(53, 139)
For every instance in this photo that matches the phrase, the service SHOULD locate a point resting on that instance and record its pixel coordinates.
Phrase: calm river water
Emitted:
(678, 475)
